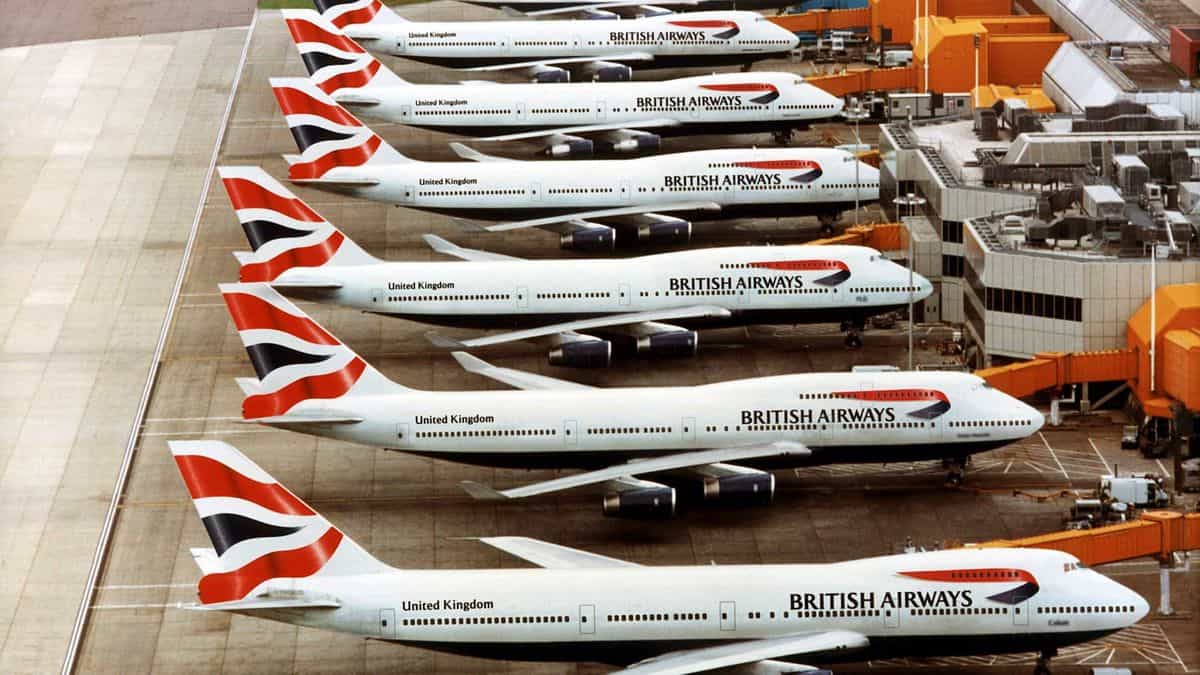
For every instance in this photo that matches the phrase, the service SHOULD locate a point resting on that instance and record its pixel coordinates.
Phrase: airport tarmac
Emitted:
(409, 511)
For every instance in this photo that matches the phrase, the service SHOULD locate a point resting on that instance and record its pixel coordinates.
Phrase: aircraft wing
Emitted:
(616, 4)
(602, 213)
(584, 129)
(266, 602)
(553, 556)
(449, 248)
(682, 460)
(515, 378)
(614, 58)
(612, 320)
(706, 659)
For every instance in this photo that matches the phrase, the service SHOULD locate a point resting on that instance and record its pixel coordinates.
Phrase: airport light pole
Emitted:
(912, 201)
(856, 113)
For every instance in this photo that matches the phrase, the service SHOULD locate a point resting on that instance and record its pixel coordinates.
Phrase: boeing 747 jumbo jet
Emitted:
(650, 303)
(311, 382)
(548, 50)
(586, 202)
(274, 557)
(570, 119)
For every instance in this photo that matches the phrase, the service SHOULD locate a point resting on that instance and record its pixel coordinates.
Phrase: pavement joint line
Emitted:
(1052, 454)
(123, 587)
(209, 433)
(153, 420)
(89, 591)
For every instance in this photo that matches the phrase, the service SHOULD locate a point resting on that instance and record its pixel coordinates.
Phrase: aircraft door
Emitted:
(535, 192)
(408, 194)
(623, 293)
(405, 113)
(587, 619)
(402, 433)
(626, 190)
(520, 110)
(891, 618)
(387, 623)
(376, 296)
(570, 434)
(687, 429)
(522, 296)
(601, 111)
(1020, 614)
(728, 615)
(401, 44)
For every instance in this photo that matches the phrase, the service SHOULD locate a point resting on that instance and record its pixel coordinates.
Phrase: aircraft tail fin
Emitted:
(283, 231)
(343, 13)
(260, 531)
(334, 61)
(329, 138)
(296, 360)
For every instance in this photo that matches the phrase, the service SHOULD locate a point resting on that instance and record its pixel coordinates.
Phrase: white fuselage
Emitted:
(842, 417)
(753, 101)
(965, 601)
(692, 39)
(762, 181)
(777, 284)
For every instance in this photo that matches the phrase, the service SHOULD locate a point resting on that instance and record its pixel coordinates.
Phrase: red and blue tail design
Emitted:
(329, 138)
(1027, 588)
(283, 231)
(296, 360)
(334, 61)
(260, 531)
(343, 13)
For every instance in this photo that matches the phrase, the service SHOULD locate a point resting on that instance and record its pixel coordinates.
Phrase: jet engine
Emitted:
(744, 489)
(607, 71)
(549, 74)
(670, 345)
(582, 354)
(571, 147)
(641, 503)
(637, 142)
(666, 230)
(592, 239)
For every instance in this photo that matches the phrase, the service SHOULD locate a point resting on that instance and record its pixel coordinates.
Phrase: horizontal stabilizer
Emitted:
(682, 460)
(336, 182)
(301, 284)
(450, 248)
(514, 378)
(260, 603)
(306, 419)
(356, 99)
(553, 556)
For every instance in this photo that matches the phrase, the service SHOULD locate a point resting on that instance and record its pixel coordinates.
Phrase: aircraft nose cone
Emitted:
(1039, 420)
(924, 286)
(1140, 607)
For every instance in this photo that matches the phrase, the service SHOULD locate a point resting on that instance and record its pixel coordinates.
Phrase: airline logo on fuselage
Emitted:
(765, 91)
(841, 271)
(656, 36)
(717, 283)
(940, 402)
(838, 601)
(807, 172)
(991, 575)
(727, 29)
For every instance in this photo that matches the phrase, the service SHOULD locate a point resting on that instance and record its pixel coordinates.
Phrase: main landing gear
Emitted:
(853, 330)
(782, 136)
(827, 221)
(747, 66)
(956, 469)
(1043, 662)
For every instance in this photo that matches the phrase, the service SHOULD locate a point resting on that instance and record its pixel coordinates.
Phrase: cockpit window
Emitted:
(1072, 566)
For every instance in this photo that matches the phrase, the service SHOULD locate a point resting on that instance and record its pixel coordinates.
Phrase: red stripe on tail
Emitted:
(304, 31)
(250, 312)
(295, 563)
(362, 15)
(246, 194)
(350, 80)
(355, 156)
(207, 477)
(329, 385)
(295, 102)
(308, 256)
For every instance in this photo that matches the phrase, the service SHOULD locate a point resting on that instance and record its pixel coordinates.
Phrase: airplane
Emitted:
(718, 436)
(589, 203)
(651, 303)
(275, 557)
(547, 51)
(624, 117)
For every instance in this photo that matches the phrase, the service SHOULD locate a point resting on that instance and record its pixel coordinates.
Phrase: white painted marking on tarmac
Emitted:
(214, 432)
(89, 591)
(1060, 466)
(1105, 461)
(122, 587)
(1161, 467)
(152, 420)
(1008, 466)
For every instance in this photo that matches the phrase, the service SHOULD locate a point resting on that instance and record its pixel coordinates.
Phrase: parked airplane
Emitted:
(623, 117)
(586, 202)
(548, 50)
(310, 382)
(651, 304)
(274, 557)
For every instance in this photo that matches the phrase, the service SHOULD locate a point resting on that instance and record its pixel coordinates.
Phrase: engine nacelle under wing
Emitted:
(582, 354)
(649, 503)
(676, 344)
(748, 489)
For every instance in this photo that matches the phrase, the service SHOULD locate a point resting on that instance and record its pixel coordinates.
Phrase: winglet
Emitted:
(444, 342)
(469, 363)
(482, 492)
(469, 225)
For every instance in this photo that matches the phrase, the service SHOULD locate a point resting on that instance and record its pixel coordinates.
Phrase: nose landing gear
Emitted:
(1043, 663)
(782, 136)
(853, 330)
(828, 220)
